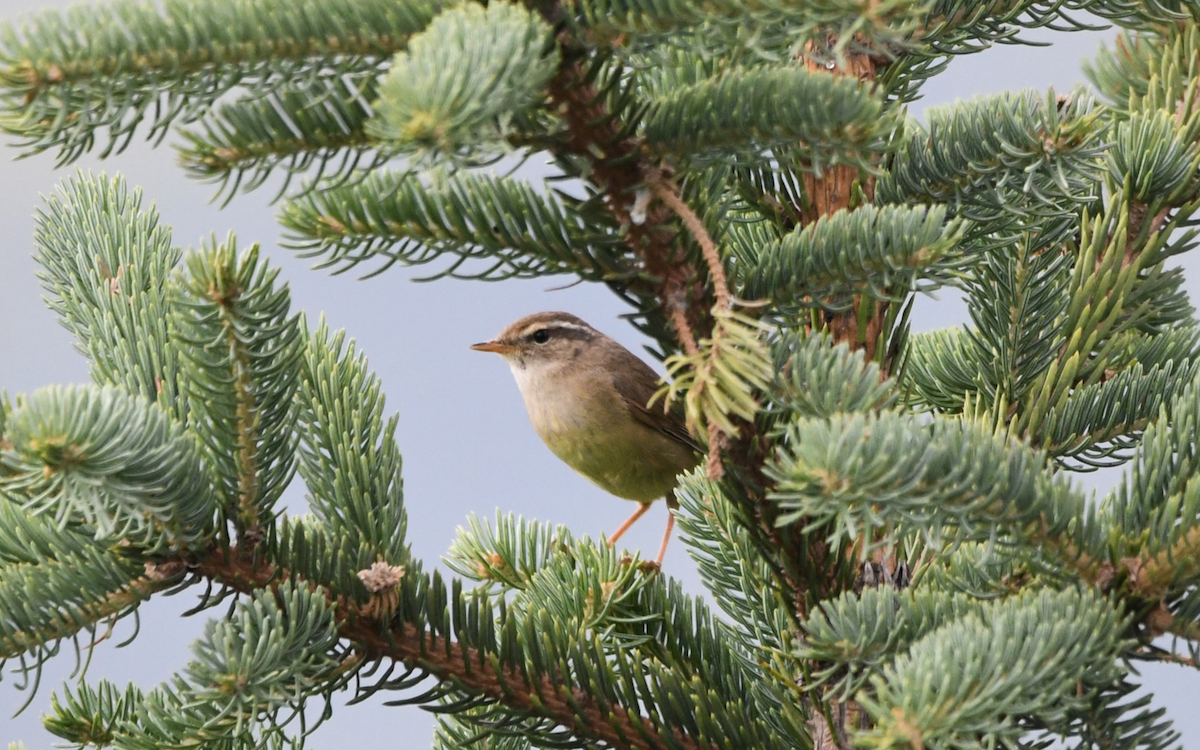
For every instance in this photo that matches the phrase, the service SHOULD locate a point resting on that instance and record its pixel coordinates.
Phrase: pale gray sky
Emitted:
(467, 443)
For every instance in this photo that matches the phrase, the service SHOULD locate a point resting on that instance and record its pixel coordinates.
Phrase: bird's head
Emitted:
(546, 340)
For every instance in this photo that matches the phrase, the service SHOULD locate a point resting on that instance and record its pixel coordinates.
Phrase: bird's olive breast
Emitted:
(596, 436)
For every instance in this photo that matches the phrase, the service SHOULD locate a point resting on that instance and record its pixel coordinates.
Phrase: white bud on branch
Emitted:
(381, 576)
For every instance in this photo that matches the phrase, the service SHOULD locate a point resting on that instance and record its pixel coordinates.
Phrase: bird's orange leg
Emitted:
(628, 522)
(666, 538)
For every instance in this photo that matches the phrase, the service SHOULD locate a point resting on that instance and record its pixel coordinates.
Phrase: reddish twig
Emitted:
(713, 467)
(682, 329)
(716, 439)
(666, 193)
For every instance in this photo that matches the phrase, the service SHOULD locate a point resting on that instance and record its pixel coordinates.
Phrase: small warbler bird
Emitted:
(588, 398)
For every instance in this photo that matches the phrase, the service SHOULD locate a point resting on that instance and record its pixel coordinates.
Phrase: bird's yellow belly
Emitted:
(631, 461)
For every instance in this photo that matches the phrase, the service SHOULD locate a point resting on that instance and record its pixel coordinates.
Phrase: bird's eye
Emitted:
(541, 336)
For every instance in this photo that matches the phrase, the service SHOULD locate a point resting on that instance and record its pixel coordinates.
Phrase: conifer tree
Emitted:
(895, 551)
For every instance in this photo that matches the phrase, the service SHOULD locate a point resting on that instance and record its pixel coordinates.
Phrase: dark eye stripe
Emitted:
(569, 332)
(572, 333)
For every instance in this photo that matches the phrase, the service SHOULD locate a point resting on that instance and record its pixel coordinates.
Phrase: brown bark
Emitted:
(832, 190)
(833, 736)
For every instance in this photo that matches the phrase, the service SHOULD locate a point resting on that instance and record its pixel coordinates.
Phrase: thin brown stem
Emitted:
(667, 194)
(713, 467)
(1183, 661)
(683, 330)
(247, 508)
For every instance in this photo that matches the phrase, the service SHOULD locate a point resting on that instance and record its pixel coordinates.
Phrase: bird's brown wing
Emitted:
(636, 383)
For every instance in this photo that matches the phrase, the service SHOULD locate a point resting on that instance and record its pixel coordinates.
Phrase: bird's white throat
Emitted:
(553, 404)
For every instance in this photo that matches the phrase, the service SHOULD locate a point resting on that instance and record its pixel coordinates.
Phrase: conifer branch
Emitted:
(506, 223)
(464, 81)
(883, 22)
(450, 660)
(882, 253)
(1154, 575)
(248, 521)
(84, 613)
(1011, 157)
(747, 112)
(1009, 652)
(358, 493)
(240, 367)
(172, 60)
(466, 666)
(116, 303)
(114, 466)
(292, 128)
(1182, 661)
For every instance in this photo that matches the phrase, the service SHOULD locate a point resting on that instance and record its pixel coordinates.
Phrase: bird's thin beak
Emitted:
(494, 346)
